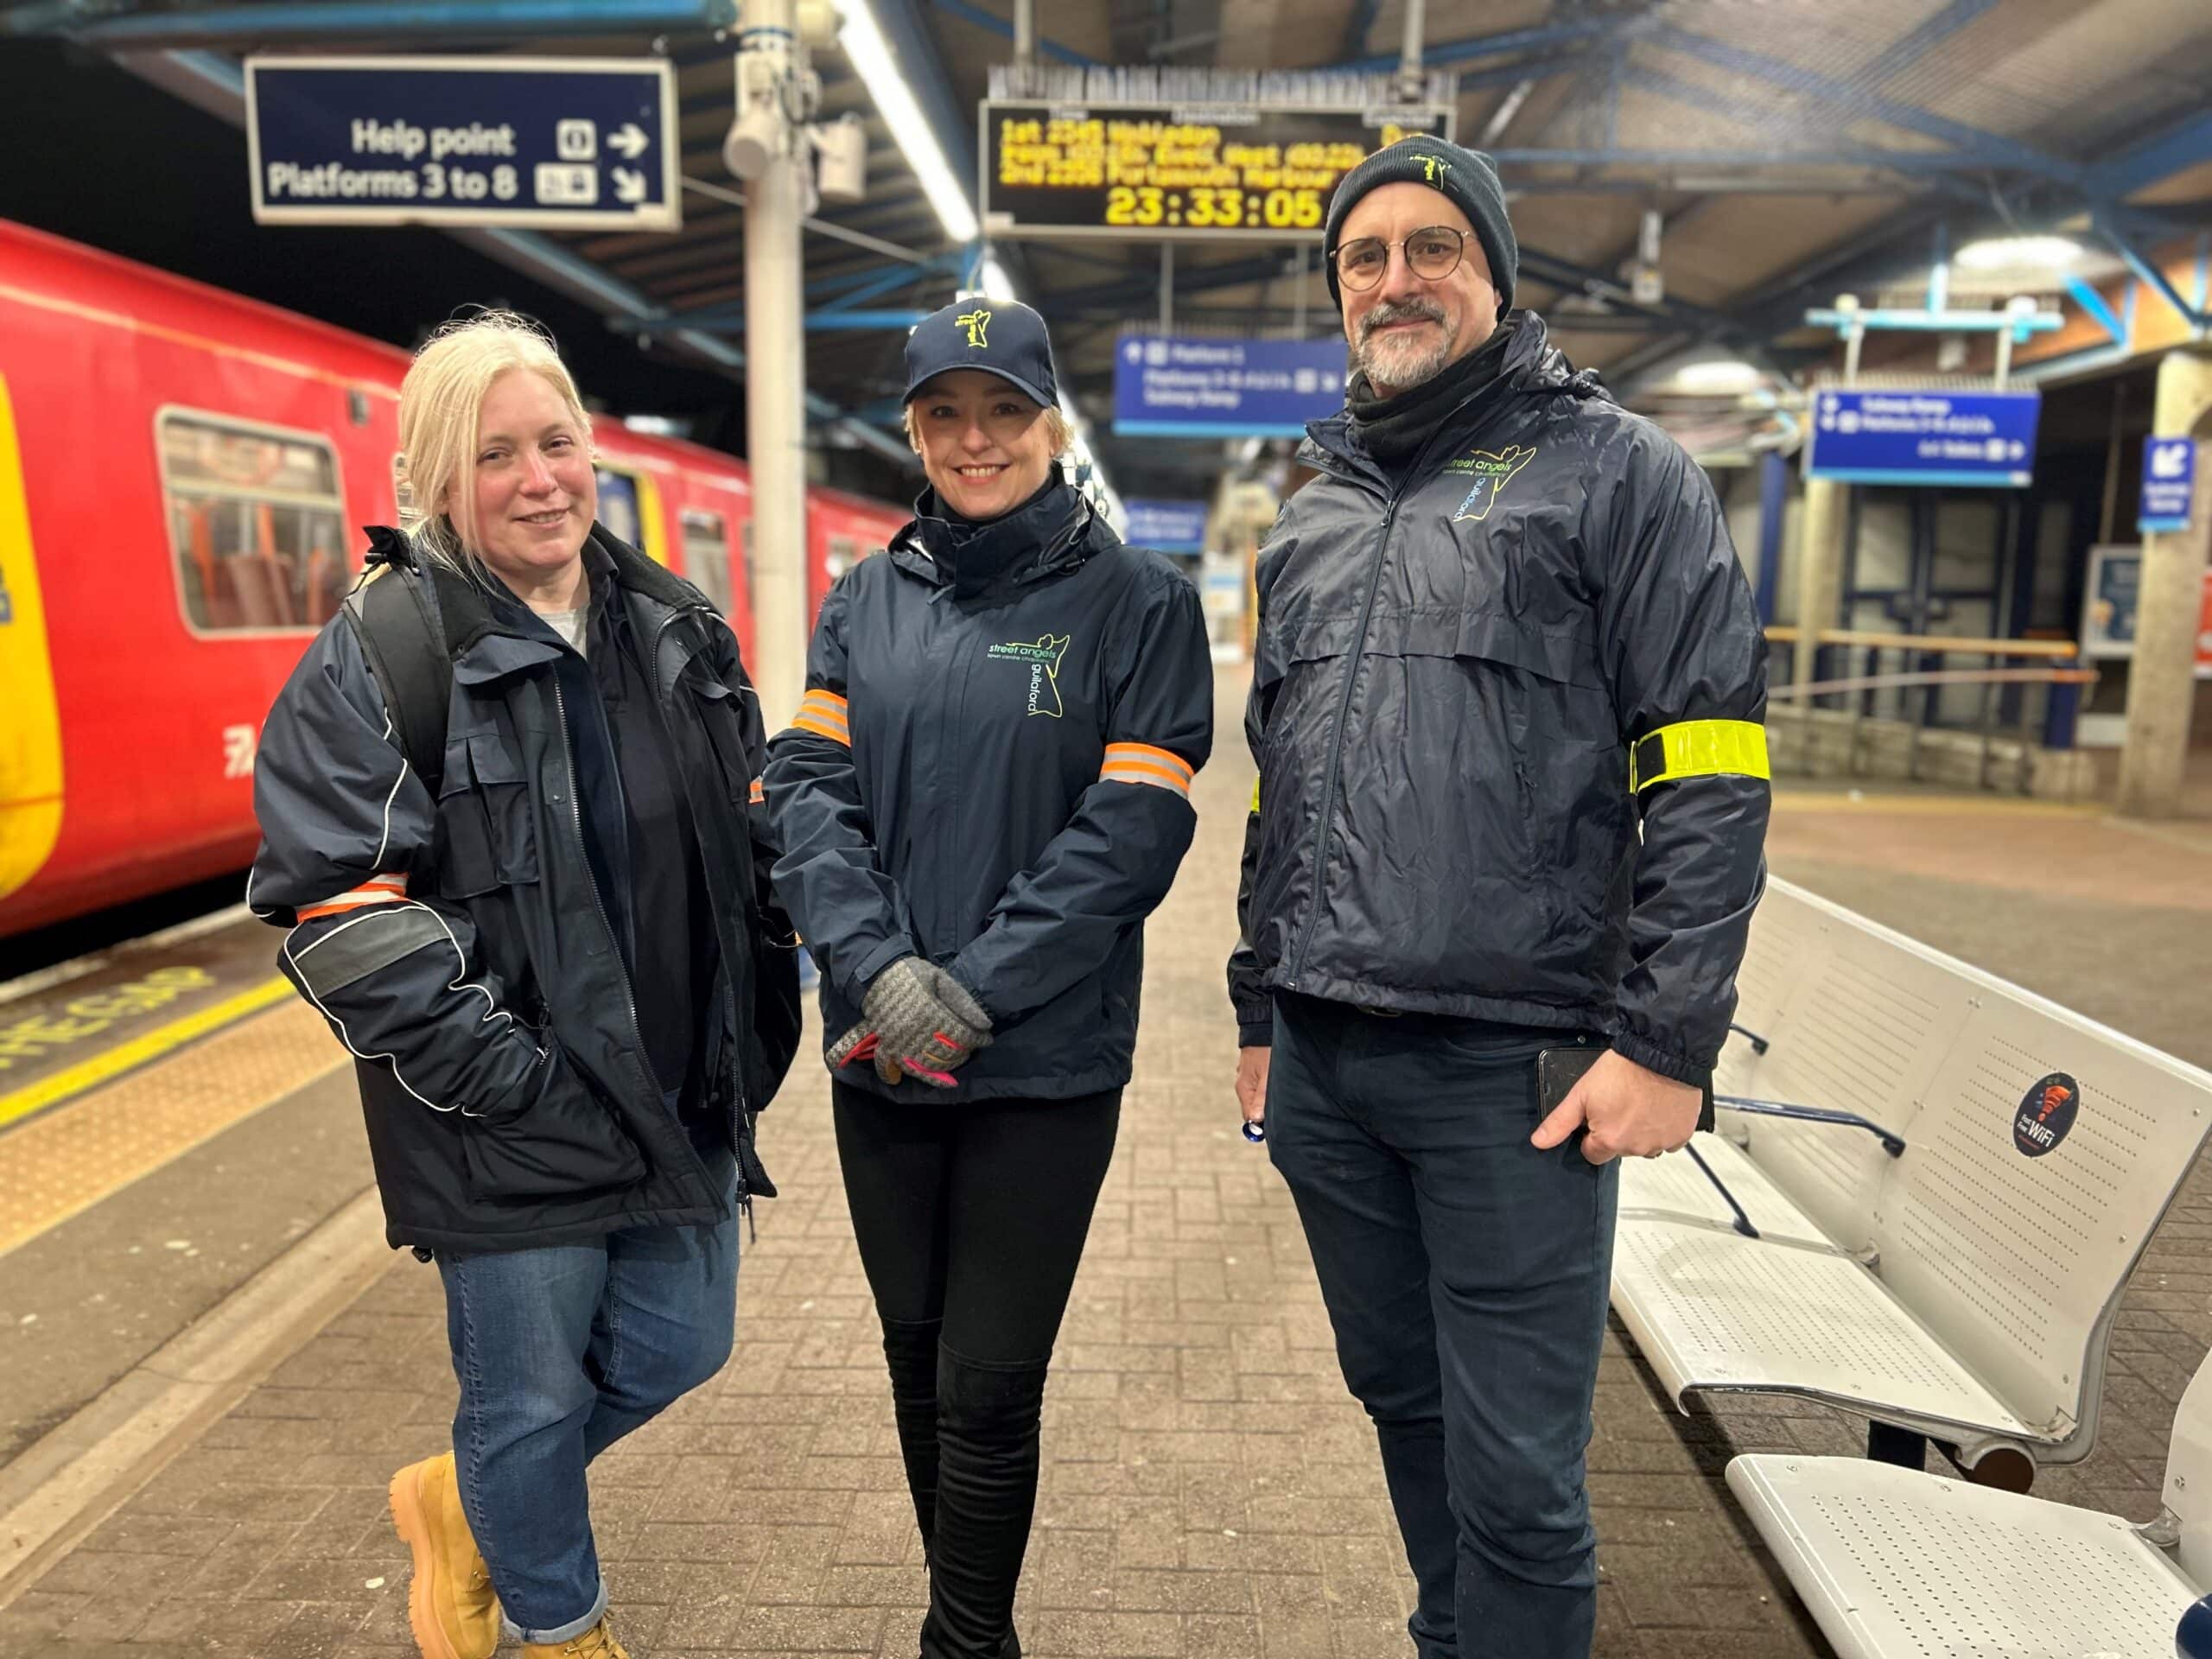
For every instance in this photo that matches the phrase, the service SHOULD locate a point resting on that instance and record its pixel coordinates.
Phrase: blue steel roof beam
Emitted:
(2147, 269)
(249, 25)
(2187, 142)
(1625, 23)
(1859, 101)
(1896, 161)
(1907, 49)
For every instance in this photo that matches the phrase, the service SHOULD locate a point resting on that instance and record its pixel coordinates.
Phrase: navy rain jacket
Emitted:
(992, 769)
(1451, 678)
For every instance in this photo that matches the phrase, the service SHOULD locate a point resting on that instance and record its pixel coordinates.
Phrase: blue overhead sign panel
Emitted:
(557, 143)
(2169, 479)
(1191, 386)
(1166, 526)
(1979, 438)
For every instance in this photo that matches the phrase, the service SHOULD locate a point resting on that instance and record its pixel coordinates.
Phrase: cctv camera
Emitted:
(756, 138)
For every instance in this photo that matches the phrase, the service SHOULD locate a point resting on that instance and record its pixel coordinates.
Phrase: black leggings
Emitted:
(975, 1213)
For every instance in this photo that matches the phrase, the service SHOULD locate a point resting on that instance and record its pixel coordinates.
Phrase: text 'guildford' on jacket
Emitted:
(461, 947)
(992, 768)
(1450, 682)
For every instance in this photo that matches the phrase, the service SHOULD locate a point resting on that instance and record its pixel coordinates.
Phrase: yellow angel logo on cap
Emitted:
(976, 324)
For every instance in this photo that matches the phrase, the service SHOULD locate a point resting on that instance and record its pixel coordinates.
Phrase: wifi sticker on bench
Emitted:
(2046, 1113)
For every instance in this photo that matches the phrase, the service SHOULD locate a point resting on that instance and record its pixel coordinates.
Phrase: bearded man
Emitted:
(1507, 705)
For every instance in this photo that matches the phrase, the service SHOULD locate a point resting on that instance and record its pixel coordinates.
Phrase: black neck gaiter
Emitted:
(1394, 428)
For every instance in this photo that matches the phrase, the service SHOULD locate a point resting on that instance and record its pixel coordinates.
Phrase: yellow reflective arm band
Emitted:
(1255, 794)
(1698, 748)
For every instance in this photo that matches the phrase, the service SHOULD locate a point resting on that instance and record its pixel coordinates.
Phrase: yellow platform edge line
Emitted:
(127, 1056)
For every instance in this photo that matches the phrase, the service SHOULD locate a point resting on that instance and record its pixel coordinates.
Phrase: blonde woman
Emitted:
(986, 793)
(521, 887)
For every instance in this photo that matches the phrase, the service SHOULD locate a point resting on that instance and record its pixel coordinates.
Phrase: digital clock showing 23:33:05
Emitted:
(1158, 171)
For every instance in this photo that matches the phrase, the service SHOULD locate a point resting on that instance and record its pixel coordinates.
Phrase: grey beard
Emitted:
(1401, 367)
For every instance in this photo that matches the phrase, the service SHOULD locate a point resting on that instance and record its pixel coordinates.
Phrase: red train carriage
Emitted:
(182, 475)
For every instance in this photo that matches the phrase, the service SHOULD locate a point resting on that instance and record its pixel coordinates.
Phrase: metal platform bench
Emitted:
(1894, 1564)
(1943, 1251)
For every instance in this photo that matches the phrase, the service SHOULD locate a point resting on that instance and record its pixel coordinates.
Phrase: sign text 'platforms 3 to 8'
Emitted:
(573, 143)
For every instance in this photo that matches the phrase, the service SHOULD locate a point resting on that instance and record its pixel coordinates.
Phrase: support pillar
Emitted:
(2162, 679)
(1774, 504)
(1820, 572)
(775, 409)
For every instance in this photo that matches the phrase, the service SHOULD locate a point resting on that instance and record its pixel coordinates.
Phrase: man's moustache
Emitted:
(1383, 315)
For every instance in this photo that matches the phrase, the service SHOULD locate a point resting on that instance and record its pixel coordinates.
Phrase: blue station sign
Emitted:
(2168, 480)
(1178, 386)
(1926, 438)
(556, 144)
(1166, 526)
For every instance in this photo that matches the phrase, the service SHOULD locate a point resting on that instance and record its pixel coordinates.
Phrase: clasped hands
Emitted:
(919, 1021)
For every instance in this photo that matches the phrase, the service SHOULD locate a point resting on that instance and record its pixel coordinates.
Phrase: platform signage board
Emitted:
(2110, 608)
(1166, 526)
(554, 143)
(2169, 479)
(1177, 385)
(1927, 438)
(1158, 172)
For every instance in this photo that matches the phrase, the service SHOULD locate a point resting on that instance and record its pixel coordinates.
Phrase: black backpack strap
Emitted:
(406, 651)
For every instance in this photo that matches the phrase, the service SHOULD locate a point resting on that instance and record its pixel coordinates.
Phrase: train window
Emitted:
(751, 585)
(618, 506)
(845, 554)
(256, 522)
(706, 555)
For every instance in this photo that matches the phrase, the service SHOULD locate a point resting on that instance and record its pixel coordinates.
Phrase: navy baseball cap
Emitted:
(1001, 337)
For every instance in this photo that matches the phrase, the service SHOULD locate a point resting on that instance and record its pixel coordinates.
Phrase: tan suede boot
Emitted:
(450, 1602)
(597, 1643)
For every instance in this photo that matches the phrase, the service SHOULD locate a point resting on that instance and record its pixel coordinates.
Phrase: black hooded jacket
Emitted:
(992, 769)
(1456, 662)
(471, 951)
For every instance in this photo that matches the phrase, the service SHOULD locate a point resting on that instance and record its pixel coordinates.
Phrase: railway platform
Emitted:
(213, 1365)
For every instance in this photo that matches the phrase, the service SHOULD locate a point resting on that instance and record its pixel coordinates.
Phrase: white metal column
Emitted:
(775, 390)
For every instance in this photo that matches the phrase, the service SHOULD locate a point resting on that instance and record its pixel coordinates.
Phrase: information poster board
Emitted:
(2110, 609)
(1159, 172)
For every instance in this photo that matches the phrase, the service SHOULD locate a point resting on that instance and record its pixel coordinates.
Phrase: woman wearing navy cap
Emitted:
(986, 792)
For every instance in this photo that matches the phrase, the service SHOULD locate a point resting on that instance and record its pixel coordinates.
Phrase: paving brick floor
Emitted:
(1210, 1492)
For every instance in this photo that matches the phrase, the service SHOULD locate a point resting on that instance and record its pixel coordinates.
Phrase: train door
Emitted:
(30, 736)
(630, 507)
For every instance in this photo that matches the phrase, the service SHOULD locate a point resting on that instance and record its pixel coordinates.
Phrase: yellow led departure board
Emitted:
(1235, 173)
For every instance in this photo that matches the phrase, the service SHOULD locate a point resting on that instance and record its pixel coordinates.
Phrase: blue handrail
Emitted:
(1892, 1142)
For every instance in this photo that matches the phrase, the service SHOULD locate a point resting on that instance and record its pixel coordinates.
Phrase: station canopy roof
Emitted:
(1793, 148)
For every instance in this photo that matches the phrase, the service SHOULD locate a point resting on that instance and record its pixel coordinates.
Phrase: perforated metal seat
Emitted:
(1961, 1288)
(1894, 1564)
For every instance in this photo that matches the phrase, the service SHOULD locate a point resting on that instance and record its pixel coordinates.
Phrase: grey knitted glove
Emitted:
(921, 1023)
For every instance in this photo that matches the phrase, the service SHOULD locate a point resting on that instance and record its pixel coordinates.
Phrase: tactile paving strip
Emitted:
(69, 1159)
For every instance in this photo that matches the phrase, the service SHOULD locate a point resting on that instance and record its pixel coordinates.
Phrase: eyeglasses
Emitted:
(1431, 254)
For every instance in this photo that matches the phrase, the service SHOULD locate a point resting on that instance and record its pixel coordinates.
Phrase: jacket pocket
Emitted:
(564, 1143)
(486, 819)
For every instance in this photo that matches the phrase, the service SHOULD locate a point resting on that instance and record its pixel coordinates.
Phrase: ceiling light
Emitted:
(997, 285)
(871, 59)
(2040, 253)
(1719, 374)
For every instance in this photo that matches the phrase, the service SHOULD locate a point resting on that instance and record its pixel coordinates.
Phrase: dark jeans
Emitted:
(1465, 1274)
(971, 1220)
(561, 1351)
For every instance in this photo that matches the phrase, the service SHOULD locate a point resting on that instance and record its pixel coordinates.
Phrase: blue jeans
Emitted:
(561, 1352)
(1465, 1274)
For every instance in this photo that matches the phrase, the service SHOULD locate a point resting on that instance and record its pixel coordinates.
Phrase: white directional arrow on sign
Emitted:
(630, 141)
(629, 187)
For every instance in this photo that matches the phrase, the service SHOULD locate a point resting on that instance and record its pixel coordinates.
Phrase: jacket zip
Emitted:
(730, 994)
(599, 903)
(1413, 477)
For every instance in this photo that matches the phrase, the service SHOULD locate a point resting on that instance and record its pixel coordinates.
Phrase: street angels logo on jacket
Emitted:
(1493, 470)
(1043, 656)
